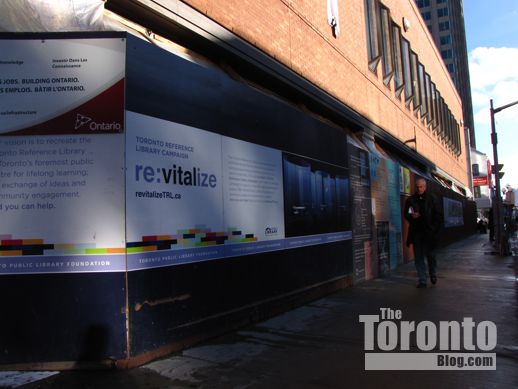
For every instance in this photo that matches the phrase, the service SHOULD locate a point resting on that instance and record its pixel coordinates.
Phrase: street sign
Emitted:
(478, 181)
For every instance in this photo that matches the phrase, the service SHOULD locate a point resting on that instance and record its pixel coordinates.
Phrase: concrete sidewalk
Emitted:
(321, 344)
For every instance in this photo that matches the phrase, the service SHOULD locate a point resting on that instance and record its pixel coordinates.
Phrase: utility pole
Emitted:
(497, 217)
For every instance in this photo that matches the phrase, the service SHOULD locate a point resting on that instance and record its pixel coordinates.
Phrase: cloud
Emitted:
(494, 75)
(490, 65)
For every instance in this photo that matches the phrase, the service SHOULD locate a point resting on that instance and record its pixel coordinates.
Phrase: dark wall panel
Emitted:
(452, 234)
(167, 303)
(62, 317)
(171, 88)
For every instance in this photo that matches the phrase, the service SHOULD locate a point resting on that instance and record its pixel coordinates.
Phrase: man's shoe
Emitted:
(433, 279)
(421, 285)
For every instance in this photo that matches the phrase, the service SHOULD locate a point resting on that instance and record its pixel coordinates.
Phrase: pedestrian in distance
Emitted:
(425, 218)
(509, 199)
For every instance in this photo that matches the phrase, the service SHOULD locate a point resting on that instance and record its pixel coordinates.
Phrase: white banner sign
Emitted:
(61, 181)
(61, 86)
(183, 181)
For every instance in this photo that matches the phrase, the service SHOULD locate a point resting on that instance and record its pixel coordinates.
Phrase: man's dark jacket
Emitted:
(433, 218)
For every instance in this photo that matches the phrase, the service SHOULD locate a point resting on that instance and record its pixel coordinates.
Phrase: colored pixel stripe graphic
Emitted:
(154, 259)
(199, 236)
(10, 247)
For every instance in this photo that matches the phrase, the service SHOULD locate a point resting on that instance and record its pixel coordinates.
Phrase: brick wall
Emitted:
(296, 33)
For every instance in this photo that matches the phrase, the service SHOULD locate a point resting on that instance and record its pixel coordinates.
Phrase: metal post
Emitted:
(497, 217)
(470, 167)
(501, 245)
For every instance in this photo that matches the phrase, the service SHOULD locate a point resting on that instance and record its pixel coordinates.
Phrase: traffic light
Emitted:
(498, 170)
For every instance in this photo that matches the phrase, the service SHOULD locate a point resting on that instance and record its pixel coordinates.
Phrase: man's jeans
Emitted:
(424, 247)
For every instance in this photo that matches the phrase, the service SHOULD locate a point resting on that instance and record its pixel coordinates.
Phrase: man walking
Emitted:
(424, 215)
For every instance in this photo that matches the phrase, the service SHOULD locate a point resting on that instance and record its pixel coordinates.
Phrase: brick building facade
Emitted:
(297, 34)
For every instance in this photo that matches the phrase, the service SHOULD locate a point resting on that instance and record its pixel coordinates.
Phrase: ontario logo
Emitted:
(82, 121)
(391, 343)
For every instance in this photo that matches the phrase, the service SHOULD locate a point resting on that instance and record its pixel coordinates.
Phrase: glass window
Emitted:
(441, 1)
(435, 119)
(444, 26)
(455, 135)
(428, 86)
(442, 12)
(447, 137)
(423, 3)
(478, 191)
(459, 143)
(373, 33)
(449, 129)
(427, 15)
(386, 45)
(438, 110)
(398, 59)
(454, 140)
(451, 67)
(442, 115)
(447, 54)
(452, 132)
(445, 40)
(407, 70)
(444, 120)
(475, 170)
(422, 88)
(415, 80)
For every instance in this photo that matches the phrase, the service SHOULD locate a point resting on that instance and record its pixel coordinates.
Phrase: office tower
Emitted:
(445, 20)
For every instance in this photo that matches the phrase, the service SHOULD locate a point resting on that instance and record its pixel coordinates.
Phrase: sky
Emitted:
(492, 40)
